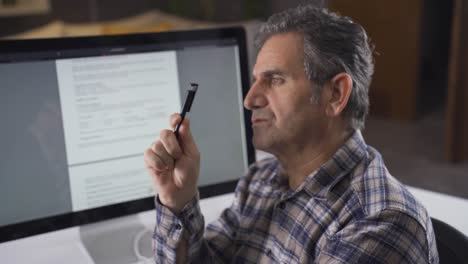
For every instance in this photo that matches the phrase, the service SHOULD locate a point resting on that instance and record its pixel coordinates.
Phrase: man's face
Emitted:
(283, 116)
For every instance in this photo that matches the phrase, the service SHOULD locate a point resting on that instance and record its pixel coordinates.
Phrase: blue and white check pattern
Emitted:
(351, 210)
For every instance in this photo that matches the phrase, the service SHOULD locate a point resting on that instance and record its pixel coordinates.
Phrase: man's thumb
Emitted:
(186, 138)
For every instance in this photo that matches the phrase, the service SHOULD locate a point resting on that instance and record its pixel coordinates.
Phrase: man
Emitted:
(326, 197)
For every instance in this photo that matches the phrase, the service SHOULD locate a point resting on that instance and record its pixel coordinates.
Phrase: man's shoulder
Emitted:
(381, 196)
(377, 190)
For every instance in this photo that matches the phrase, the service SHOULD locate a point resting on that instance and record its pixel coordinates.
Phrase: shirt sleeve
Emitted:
(215, 245)
(388, 237)
(170, 228)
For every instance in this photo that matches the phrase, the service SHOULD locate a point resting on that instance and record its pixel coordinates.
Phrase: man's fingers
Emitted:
(153, 161)
(171, 144)
(160, 150)
(188, 142)
(174, 120)
(159, 179)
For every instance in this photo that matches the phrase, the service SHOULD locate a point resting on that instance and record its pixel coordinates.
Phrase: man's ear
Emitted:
(340, 88)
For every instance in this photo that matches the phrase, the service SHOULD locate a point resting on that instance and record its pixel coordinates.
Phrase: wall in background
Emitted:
(104, 10)
(76, 12)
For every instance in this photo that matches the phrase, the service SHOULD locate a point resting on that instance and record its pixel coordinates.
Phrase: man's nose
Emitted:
(255, 98)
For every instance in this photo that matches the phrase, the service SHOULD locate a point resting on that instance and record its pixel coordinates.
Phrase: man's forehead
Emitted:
(269, 65)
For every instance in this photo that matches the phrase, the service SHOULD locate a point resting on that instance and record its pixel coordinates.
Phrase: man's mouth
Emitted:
(257, 121)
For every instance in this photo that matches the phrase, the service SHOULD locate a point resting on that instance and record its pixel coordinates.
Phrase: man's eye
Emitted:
(276, 81)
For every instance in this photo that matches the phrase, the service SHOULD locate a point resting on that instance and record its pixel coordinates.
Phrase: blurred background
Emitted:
(418, 118)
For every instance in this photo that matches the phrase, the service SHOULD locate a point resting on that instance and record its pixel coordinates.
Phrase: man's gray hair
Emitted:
(332, 44)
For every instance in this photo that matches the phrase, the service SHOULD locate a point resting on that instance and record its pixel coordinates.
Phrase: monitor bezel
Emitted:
(62, 221)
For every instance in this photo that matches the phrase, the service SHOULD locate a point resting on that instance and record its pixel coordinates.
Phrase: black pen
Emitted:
(187, 105)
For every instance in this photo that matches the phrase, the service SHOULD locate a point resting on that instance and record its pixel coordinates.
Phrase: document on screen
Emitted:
(112, 106)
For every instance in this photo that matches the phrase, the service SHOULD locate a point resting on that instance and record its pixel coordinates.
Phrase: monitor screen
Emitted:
(77, 114)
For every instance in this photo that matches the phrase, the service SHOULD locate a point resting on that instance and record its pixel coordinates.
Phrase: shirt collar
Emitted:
(319, 182)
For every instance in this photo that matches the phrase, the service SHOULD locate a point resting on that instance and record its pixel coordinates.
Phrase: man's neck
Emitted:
(298, 163)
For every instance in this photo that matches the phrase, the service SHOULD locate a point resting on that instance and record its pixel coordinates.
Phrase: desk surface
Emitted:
(64, 246)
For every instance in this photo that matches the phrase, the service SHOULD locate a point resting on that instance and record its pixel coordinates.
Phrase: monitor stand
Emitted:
(115, 241)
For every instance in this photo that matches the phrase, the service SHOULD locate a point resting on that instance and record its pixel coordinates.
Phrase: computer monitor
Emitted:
(76, 115)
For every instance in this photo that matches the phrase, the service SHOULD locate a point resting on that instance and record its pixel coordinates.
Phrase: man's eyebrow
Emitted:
(270, 73)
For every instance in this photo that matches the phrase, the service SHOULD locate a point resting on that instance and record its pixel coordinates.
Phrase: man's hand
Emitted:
(174, 165)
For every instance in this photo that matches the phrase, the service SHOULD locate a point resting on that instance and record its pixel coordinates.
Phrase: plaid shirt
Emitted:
(350, 210)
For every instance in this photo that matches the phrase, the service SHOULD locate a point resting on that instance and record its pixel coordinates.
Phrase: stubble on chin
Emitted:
(261, 139)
